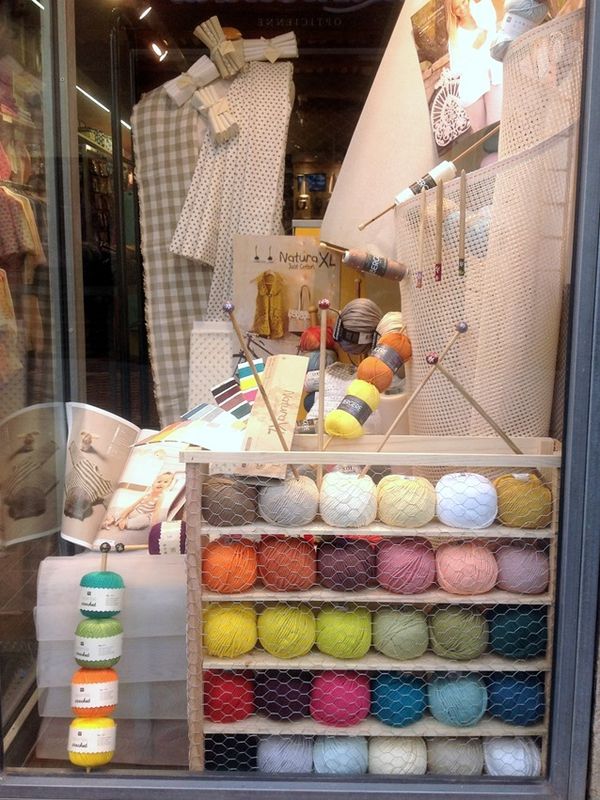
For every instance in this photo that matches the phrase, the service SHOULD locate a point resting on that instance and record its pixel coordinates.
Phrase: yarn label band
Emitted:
(170, 538)
(98, 740)
(514, 26)
(360, 410)
(376, 265)
(94, 695)
(95, 598)
(426, 182)
(341, 334)
(388, 355)
(88, 648)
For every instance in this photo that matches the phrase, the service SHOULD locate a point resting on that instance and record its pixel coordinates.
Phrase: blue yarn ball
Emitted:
(518, 631)
(341, 755)
(516, 700)
(309, 401)
(398, 700)
(459, 701)
(314, 358)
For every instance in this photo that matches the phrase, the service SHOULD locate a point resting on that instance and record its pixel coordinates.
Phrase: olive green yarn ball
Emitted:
(344, 633)
(458, 633)
(400, 633)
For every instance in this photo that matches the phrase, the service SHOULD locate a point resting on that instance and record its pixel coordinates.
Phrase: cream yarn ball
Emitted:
(348, 500)
(390, 755)
(466, 500)
(515, 756)
(455, 756)
(405, 501)
(292, 502)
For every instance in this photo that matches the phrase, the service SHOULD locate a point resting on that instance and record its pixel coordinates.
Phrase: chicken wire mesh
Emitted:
(388, 626)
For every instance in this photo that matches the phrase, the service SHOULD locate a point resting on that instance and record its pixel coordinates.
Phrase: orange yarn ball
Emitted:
(311, 338)
(94, 692)
(229, 565)
(389, 354)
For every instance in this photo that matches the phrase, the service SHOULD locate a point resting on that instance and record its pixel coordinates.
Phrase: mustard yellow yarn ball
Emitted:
(523, 501)
(287, 631)
(229, 629)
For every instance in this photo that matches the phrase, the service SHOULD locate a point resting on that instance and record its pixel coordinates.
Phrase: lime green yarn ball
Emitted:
(458, 633)
(229, 629)
(400, 633)
(287, 631)
(343, 633)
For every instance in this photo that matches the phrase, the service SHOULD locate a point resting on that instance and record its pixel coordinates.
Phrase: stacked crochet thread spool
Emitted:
(94, 687)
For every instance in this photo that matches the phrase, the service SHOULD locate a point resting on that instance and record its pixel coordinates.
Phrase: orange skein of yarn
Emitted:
(311, 339)
(389, 354)
(229, 565)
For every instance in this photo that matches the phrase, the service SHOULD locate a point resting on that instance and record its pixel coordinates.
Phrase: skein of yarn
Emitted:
(314, 359)
(285, 754)
(167, 538)
(98, 643)
(516, 699)
(229, 629)
(347, 500)
(514, 756)
(400, 633)
(356, 324)
(392, 321)
(310, 340)
(390, 755)
(91, 741)
(347, 420)
(227, 502)
(94, 692)
(398, 700)
(287, 631)
(522, 568)
(283, 695)
(405, 566)
(341, 755)
(101, 594)
(523, 501)
(374, 265)
(344, 633)
(404, 501)
(346, 565)
(455, 756)
(286, 564)
(518, 631)
(228, 697)
(460, 701)
(340, 698)
(465, 568)
(291, 502)
(388, 356)
(466, 500)
(458, 633)
(229, 565)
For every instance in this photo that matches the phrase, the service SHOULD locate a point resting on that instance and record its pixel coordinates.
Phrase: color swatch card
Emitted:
(228, 396)
(247, 380)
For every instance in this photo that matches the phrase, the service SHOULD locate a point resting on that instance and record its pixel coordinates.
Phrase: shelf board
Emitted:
(428, 726)
(317, 594)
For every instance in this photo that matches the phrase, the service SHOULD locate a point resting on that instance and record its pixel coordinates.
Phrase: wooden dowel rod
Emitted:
(421, 242)
(439, 222)
(462, 222)
(324, 308)
(333, 247)
(385, 211)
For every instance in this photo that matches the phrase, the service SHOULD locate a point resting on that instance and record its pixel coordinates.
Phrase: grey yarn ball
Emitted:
(455, 756)
(285, 754)
(291, 502)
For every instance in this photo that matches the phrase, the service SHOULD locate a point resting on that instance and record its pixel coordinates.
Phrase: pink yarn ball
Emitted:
(340, 698)
(466, 568)
(405, 566)
(522, 568)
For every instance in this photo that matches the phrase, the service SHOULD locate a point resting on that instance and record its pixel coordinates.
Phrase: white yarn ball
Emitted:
(517, 756)
(291, 502)
(341, 755)
(466, 500)
(285, 754)
(348, 500)
(390, 755)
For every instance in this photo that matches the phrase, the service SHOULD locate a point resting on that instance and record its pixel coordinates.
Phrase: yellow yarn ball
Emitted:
(347, 419)
(523, 501)
(344, 632)
(91, 741)
(229, 629)
(287, 631)
(405, 502)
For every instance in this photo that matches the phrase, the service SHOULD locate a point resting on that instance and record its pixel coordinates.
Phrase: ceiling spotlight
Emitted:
(164, 55)
(145, 10)
(159, 49)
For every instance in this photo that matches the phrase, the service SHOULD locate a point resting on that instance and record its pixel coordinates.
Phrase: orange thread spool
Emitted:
(94, 692)
(389, 354)
(229, 565)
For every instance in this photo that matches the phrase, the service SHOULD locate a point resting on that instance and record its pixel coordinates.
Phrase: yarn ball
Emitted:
(341, 755)
(518, 700)
(286, 564)
(345, 565)
(291, 502)
(458, 633)
(309, 401)
(514, 756)
(92, 741)
(466, 500)
(287, 631)
(98, 643)
(340, 699)
(229, 565)
(523, 501)
(356, 325)
(465, 568)
(522, 568)
(344, 633)
(405, 566)
(227, 697)
(518, 631)
(347, 420)
(405, 501)
(101, 594)
(229, 629)
(400, 632)
(292, 754)
(227, 752)
(390, 755)
(314, 359)
(283, 695)
(392, 321)
(227, 502)
(455, 756)
(167, 538)
(310, 339)
(348, 500)
(94, 692)
(477, 232)
(388, 356)
(460, 701)
(398, 700)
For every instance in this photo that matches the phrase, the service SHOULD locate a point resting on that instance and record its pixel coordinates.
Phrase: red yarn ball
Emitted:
(311, 338)
(227, 697)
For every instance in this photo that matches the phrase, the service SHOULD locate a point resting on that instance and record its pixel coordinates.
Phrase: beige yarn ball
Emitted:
(348, 500)
(405, 501)
(455, 756)
(390, 755)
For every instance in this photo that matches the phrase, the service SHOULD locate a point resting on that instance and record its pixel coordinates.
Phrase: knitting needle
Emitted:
(324, 308)
(462, 220)
(439, 221)
(421, 243)
(105, 550)
(333, 247)
(229, 308)
(461, 327)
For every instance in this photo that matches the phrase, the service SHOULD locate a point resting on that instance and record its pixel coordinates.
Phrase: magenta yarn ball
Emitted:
(340, 698)
(405, 566)
(466, 568)
(522, 568)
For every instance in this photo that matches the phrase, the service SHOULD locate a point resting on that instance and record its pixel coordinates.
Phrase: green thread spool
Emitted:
(101, 595)
(98, 643)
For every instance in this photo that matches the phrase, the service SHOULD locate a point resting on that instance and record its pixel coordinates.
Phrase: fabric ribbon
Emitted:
(217, 111)
(228, 57)
(200, 74)
(282, 46)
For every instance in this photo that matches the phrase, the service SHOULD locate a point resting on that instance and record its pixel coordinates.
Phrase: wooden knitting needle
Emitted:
(333, 247)
(324, 308)
(462, 222)
(421, 243)
(105, 550)
(439, 221)
(461, 327)
(229, 308)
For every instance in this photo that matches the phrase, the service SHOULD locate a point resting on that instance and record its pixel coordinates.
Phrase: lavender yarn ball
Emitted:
(285, 754)
(345, 565)
(522, 568)
(514, 756)
(341, 755)
(466, 500)
(283, 695)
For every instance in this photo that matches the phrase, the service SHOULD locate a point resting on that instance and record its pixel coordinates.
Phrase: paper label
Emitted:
(106, 648)
(341, 334)
(426, 182)
(376, 265)
(92, 740)
(169, 542)
(388, 355)
(94, 695)
(514, 26)
(93, 598)
(360, 410)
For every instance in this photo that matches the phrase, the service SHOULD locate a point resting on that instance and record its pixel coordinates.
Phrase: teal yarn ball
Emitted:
(341, 755)
(458, 633)
(344, 633)
(518, 700)
(518, 631)
(459, 701)
(101, 594)
(400, 633)
(98, 643)
(398, 700)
